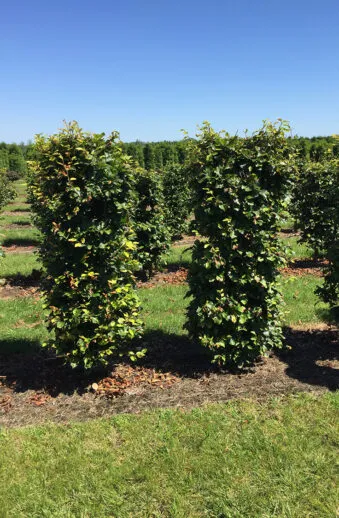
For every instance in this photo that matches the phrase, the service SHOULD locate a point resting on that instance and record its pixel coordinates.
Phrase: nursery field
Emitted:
(209, 442)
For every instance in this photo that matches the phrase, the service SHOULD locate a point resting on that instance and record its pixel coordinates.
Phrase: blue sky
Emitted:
(149, 68)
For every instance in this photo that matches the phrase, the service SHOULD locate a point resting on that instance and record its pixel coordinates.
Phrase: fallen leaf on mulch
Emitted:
(297, 272)
(174, 278)
(38, 399)
(5, 404)
(126, 377)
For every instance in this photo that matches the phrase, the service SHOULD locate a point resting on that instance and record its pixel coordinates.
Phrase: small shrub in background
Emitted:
(13, 176)
(149, 220)
(81, 190)
(239, 189)
(177, 197)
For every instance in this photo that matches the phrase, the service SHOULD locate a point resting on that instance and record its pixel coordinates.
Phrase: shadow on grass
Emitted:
(18, 209)
(177, 265)
(21, 241)
(306, 263)
(289, 230)
(22, 223)
(330, 316)
(313, 357)
(23, 281)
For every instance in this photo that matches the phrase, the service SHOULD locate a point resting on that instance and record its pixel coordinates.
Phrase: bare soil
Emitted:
(18, 213)
(16, 249)
(37, 388)
(16, 226)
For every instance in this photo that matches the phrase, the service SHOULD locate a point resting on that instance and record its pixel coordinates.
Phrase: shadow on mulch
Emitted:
(17, 241)
(40, 370)
(174, 267)
(312, 359)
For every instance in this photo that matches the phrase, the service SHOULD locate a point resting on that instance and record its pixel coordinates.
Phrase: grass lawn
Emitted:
(23, 219)
(21, 237)
(18, 207)
(296, 250)
(18, 264)
(241, 459)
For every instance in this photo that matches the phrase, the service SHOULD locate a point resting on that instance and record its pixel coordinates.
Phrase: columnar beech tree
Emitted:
(149, 219)
(239, 190)
(81, 189)
(315, 204)
(177, 199)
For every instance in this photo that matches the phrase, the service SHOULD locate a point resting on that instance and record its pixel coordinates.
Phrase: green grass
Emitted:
(17, 207)
(296, 250)
(20, 237)
(18, 264)
(240, 459)
(178, 256)
(23, 219)
(302, 305)
(21, 326)
(164, 308)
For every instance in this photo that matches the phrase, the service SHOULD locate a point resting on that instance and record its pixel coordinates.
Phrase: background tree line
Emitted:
(158, 155)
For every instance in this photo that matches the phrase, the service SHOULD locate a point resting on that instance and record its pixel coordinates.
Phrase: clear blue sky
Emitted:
(149, 68)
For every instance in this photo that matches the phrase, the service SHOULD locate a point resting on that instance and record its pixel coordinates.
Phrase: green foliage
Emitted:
(81, 189)
(149, 218)
(177, 196)
(315, 206)
(239, 191)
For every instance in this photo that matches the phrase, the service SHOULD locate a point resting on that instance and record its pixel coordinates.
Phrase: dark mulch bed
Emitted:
(37, 388)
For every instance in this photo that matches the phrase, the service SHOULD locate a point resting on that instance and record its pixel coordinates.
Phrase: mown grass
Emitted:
(240, 459)
(296, 250)
(21, 324)
(23, 219)
(17, 207)
(13, 265)
(20, 237)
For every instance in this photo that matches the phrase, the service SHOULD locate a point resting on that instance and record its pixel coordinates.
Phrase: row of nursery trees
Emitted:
(104, 218)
